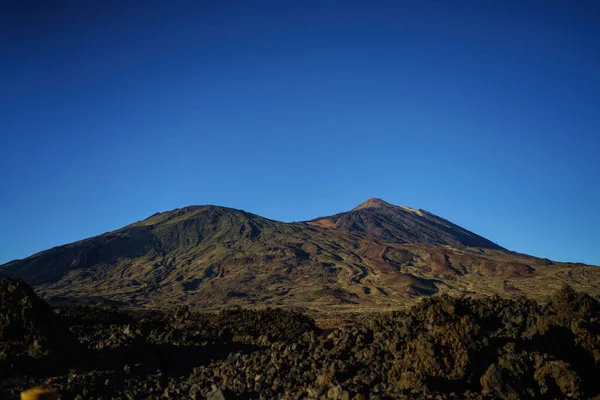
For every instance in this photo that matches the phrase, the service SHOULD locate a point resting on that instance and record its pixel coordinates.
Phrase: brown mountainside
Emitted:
(375, 257)
(402, 224)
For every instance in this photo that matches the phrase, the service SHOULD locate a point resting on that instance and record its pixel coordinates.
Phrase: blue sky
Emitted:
(486, 113)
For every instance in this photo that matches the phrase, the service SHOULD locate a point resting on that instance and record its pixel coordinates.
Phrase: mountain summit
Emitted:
(373, 202)
(376, 256)
(402, 224)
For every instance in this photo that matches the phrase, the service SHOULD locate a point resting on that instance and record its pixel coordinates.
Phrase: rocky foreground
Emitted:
(441, 348)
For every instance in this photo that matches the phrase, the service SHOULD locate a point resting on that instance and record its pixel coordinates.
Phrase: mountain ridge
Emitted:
(375, 255)
(401, 223)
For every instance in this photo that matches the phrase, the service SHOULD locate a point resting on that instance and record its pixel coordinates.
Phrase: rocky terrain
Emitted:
(376, 257)
(440, 348)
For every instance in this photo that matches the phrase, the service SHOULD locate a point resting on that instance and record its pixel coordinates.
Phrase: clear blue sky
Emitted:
(486, 113)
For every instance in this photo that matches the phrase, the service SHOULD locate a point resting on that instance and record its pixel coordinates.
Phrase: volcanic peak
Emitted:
(373, 202)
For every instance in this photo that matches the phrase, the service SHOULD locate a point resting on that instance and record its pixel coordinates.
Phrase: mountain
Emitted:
(377, 218)
(376, 256)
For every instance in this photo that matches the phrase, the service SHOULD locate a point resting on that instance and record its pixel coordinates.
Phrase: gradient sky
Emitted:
(486, 113)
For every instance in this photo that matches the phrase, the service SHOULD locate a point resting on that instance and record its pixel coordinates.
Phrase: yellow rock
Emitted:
(39, 394)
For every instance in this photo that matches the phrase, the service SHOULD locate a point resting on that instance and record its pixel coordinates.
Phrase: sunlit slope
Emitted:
(377, 256)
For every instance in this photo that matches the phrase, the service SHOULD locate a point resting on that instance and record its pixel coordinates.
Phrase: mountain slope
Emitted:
(403, 224)
(375, 256)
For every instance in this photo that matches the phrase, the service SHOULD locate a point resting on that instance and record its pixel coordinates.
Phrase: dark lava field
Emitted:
(440, 348)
